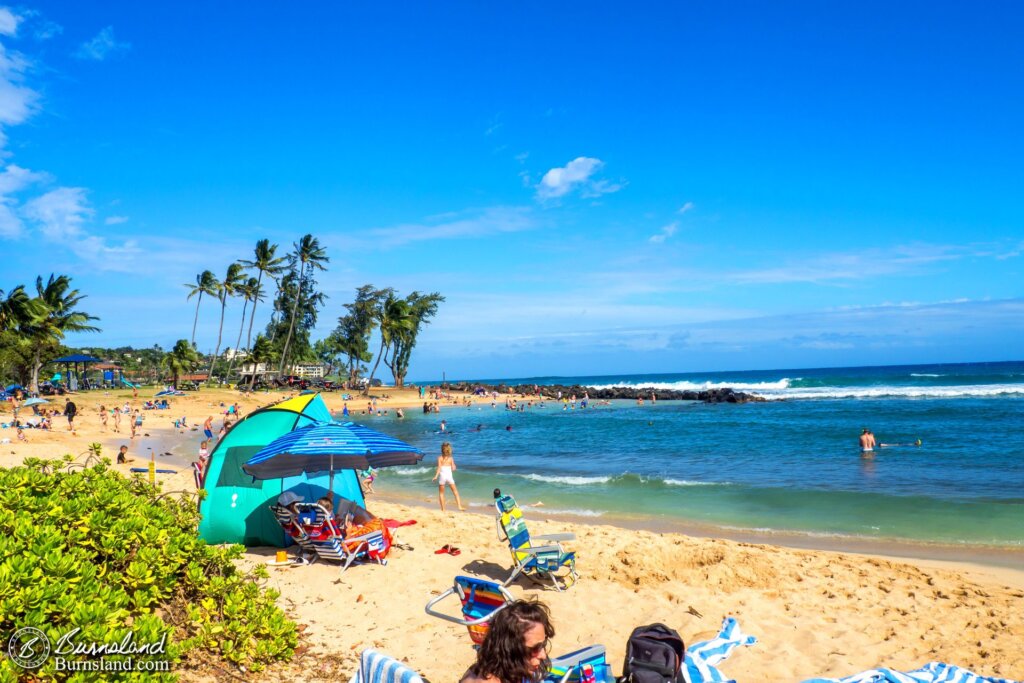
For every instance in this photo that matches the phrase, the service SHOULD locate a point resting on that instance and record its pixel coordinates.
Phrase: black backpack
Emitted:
(654, 654)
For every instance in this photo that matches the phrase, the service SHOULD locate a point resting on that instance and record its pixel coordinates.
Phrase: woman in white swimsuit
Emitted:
(443, 475)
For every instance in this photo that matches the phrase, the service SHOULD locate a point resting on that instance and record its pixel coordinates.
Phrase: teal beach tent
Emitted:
(236, 509)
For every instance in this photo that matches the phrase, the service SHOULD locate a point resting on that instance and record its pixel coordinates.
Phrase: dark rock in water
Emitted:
(722, 395)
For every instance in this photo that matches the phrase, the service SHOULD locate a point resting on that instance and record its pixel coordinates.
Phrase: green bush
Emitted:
(89, 548)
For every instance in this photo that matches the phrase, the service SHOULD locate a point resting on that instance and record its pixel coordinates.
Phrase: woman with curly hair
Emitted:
(516, 647)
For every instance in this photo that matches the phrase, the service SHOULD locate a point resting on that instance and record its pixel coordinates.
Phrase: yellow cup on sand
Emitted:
(282, 556)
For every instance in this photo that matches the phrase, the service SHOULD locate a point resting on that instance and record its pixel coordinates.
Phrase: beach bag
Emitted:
(654, 654)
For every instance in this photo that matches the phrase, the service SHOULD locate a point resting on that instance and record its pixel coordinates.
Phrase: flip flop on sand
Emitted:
(450, 549)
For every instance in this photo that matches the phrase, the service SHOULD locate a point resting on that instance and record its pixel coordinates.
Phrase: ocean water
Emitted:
(790, 465)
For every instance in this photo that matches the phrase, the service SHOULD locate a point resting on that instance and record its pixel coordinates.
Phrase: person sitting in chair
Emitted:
(516, 647)
(349, 513)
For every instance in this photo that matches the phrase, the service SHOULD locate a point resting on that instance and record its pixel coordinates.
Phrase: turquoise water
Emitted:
(788, 465)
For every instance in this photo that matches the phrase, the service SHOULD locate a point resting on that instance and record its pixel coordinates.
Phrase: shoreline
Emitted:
(815, 612)
(1002, 563)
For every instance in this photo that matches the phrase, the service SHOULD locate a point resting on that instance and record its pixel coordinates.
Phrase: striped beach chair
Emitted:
(306, 551)
(543, 564)
(330, 543)
(377, 667)
(481, 601)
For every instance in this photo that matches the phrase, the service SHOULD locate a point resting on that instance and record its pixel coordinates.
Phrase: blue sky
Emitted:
(594, 187)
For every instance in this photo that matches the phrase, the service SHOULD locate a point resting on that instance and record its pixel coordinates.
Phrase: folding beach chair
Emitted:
(570, 668)
(481, 601)
(286, 518)
(542, 564)
(330, 543)
(377, 667)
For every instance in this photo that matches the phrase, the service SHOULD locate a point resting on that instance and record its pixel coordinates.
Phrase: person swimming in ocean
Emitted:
(867, 441)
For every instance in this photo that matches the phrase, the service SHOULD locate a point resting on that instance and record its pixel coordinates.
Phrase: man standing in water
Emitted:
(867, 441)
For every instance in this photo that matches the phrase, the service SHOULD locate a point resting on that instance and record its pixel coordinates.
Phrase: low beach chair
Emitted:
(306, 553)
(569, 668)
(377, 667)
(542, 564)
(481, 601)
(330, 543)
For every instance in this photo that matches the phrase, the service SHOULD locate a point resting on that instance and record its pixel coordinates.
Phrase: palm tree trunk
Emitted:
(36, 364)
(252, 315)
(239, 341)
(369, 382)
(291, 325)
(196, 321)
(220, 333)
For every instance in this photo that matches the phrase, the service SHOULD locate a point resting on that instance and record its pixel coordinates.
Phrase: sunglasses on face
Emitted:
(538, 649)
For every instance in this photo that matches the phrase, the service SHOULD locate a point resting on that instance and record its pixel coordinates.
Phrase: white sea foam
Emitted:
(405, 471)
(570, 511)
(966, 391)
(701, 386)
(686, 482)
(571, 481)
(924, 374)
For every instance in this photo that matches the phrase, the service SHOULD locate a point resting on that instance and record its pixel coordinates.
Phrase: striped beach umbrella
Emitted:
(326, 447)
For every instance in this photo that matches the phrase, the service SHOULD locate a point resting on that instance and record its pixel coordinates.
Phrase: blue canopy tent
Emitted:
(236, 509)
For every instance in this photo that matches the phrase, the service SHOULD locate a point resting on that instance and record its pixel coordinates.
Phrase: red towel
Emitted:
(394, 523)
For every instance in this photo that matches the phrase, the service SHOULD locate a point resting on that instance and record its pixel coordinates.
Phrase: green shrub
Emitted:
(89, 548)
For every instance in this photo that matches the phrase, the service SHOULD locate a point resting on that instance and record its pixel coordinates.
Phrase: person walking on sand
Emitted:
(70, 410)
(444, 475)
(117, 420)
(867, 441)
(103, 418)
(208, 428)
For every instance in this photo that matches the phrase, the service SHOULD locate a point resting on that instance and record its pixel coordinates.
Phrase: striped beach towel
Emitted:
(933, 672)
(376, 667)
(703, 658)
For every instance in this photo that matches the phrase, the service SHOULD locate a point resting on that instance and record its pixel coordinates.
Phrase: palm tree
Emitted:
(206, 283)
(17, 308)
(181, 360)
(57, 302)
(264, 262)
(308, 253)
(226, 289)
(259, 353)
(393, 319)
(249, 291)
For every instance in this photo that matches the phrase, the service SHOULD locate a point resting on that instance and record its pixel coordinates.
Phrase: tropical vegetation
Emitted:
(83, 547)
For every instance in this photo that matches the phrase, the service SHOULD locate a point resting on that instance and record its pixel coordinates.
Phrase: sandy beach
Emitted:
(814, 612)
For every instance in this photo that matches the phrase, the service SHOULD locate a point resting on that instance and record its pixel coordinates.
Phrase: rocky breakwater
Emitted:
(554, 391)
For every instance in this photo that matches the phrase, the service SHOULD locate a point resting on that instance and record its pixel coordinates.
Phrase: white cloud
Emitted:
(61, 216)
(577, 174)
(9, 22)
(61, 213)
(688, 206)
(46, 30)
(17, 102)
(115, 220)
(665, 233)
(473, 223)
(14, 179)
(101, 46)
